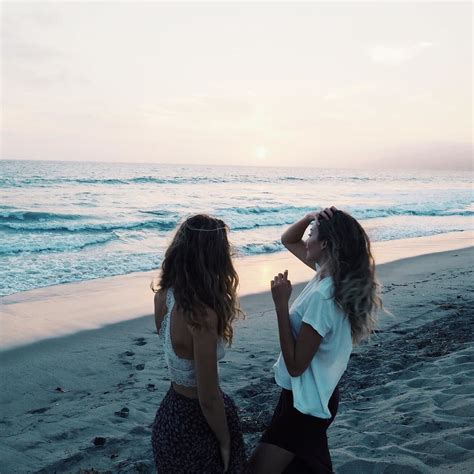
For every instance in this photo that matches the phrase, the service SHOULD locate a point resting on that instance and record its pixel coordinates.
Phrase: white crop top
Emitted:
(181, 371)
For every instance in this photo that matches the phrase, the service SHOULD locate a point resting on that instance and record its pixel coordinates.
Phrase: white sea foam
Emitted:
(63, 222)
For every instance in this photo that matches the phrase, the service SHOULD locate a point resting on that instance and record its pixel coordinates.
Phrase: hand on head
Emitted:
(325, 214)
(328, 212)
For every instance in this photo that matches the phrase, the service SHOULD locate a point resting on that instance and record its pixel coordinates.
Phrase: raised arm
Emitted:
(292, 238)
(210, 396)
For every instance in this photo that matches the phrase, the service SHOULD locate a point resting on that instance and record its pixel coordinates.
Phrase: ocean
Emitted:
(64, 222)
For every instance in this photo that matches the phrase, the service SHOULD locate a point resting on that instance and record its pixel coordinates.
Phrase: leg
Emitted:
(269, 459)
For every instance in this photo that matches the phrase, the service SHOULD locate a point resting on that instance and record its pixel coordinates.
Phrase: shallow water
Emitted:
(71, 221)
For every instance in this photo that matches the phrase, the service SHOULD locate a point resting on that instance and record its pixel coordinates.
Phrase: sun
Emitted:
(261, 153)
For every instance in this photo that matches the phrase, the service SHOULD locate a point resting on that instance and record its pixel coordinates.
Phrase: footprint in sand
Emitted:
(126, 354)
(123, 413)
(140, 341)
(38, 411)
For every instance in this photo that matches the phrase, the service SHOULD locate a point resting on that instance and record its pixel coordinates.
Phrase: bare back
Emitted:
(181, 338)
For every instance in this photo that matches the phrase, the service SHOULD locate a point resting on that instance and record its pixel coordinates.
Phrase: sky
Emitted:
(320, 84)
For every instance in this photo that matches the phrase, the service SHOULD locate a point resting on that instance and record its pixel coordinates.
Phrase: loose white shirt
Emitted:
(313, 388)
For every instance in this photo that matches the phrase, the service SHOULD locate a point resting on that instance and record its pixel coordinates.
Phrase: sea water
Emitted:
(71, 221)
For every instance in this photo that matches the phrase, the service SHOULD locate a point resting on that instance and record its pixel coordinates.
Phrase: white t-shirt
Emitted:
(314, 387)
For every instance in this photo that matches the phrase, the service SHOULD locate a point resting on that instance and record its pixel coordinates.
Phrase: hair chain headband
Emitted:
(205, 230)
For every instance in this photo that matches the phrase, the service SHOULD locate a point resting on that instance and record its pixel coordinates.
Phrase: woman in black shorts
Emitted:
(336, 309)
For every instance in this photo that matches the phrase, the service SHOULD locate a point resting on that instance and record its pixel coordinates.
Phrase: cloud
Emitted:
(396, 55)
(200, 110)
(29, 59)
(353, 91)
(18, 49)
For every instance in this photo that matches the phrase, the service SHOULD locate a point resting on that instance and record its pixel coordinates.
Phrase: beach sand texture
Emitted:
(407, 396)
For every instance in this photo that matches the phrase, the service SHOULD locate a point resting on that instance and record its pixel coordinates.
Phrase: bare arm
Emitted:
(292, 239)
(160, 309)
(296, 353)
(210, 396)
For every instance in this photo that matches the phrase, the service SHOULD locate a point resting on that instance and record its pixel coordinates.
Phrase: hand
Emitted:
(312, 216)
(281, 288)
(316, 215)
(328, 212)
(225, 454)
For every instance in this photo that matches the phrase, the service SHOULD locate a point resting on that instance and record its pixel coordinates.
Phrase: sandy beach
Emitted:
(38, 314)
(84, 402)
(131, 129)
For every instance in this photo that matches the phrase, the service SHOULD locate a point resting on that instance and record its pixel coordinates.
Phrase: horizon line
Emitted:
(369, 166)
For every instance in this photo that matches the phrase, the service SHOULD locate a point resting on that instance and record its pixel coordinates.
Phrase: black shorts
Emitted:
(303, 435)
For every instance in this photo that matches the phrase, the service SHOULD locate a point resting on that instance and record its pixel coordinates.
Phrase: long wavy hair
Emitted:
(352, 267)
(198, 267)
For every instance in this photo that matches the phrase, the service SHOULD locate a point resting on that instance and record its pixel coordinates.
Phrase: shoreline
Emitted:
(412, 383)
(39, 314)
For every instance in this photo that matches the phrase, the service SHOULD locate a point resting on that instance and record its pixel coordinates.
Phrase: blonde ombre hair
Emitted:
(198, 267)
(352, 267)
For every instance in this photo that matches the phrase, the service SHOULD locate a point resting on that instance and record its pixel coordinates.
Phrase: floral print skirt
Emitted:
(183, 442)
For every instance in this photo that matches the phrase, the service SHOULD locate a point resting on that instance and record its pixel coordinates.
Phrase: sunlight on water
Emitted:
(64, 222)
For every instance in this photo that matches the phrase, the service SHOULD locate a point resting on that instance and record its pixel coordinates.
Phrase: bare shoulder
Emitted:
(211, 317)
(160, 301)
(160, 297)
(160, 308)
(210, 323)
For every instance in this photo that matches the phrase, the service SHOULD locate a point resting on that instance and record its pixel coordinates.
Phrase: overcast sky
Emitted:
(320, 84)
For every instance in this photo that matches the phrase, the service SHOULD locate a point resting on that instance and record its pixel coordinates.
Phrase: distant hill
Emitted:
(457, 156)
